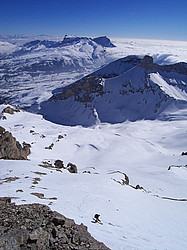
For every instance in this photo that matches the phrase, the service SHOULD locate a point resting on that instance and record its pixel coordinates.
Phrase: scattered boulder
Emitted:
(12, 149)
(2, 130)
(26, 148)
(126, 180)
(72, 168)
(4, 117)
(35, 226)
(59, 164)
(175, 166)
(184, 153)
(50, 146)
(138, 187)
(10, 110)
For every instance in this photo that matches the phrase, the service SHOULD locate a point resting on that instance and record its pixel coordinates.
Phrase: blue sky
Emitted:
(154, 19)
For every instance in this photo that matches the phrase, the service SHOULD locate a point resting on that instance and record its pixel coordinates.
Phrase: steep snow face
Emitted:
(123, 90)
(172, 91)
(117, 67)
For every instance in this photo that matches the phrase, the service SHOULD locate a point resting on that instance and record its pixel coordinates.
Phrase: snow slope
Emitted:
(150, 218)
(127, 89)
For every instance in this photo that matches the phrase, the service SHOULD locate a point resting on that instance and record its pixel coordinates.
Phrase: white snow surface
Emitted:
(172, 91)
(152, 218)
(6, 47)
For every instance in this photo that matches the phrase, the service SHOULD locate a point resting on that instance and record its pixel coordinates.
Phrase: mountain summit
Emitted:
(68, 40)
(130, 88)
(43, 63)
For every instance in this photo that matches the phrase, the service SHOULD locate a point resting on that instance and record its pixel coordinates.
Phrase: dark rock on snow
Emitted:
(12, 149)
(184, 153)
(10, 110)
(59, 164)
(104, 41)
(35, 226)
(72, 168)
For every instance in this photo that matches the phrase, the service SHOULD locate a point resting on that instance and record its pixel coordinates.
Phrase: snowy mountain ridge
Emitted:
(67, 41)
(130, 88)
(30, 70)
(46, 64)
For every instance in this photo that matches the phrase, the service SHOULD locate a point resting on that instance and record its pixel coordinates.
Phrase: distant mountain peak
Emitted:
(104, 41)
(146, 62)
(73, 38)
(67, 40)
(129, 88)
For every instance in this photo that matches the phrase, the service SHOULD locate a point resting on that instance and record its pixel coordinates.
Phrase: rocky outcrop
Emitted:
(184, 153)
(59, 164)
(10, 110)
(148, 64)
(81, 90)
(104, 41)
(35, 226)
(72, 168)
(12, 149)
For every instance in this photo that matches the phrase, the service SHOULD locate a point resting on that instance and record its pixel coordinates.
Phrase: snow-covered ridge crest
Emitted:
(47, 63)
(173, 91)
(130, 88)
(68, 40)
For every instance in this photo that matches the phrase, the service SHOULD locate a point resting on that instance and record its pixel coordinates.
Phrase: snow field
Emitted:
(132, 219)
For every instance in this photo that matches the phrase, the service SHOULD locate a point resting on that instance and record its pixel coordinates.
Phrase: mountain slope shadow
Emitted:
(127, 89)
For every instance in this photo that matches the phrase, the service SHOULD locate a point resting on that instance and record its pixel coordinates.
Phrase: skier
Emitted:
(96, 218)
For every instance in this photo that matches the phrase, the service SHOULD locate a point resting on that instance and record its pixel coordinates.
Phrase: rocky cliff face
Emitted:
(35, 226)
(12, 149)
(130, 88)
(104, 41)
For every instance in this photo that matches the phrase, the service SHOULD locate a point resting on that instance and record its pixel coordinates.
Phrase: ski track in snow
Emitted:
(143, 150)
